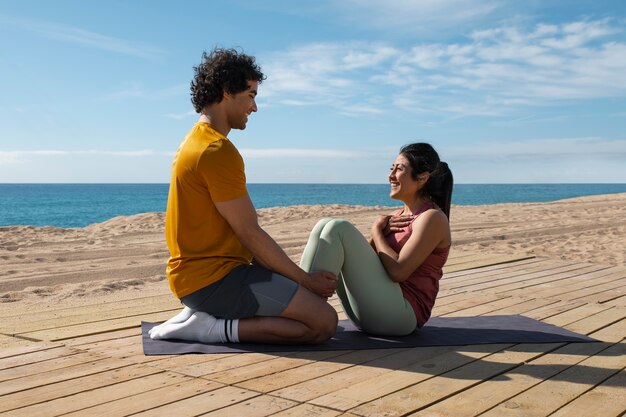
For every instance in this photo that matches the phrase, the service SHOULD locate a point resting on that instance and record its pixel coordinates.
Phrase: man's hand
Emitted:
(321, 283)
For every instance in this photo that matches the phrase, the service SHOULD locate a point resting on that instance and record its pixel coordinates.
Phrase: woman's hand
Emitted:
(387, 224)
(380, 224)
(397, 224)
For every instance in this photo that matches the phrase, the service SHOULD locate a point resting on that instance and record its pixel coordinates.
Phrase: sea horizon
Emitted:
(80, 204)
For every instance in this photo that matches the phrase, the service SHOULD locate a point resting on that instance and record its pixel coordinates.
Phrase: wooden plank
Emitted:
(87, 329)
(198, 404)
(565, 387)
(36, 356)
(617, 302)
(484, 396)
(494, 269)
(262, 406)
(514, 273)
(522, 308)
(487, 261)
(370, 370)
(51, 364)
(469, 300)
(614, 333)
(79, 341)
(129, 349)
(458, 257)
(598, 321)
(21, 327)
(96, 308)
(112, 345)
(525, 284)
(64, 389)
(501, 388)
(488, 307)
(508, 283)
(172, 363)
(491, 270)
(318, 370)
(7, 341)
(366, 391)
(606, 400)
(581, 282)
(60, 374)
(600, 294)
(28, 346)
(237, 375)
(138, 395)
(579, 313)
(307, 410)
(230, 363)
(445, 297)
(421, 395)
(553, 309)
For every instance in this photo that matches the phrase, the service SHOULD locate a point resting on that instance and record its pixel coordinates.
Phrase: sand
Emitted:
(123, 258)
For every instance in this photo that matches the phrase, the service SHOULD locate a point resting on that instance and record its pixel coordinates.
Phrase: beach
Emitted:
(124, 257)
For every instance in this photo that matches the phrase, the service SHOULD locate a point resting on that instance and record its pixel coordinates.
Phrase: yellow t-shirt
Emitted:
(203, 248)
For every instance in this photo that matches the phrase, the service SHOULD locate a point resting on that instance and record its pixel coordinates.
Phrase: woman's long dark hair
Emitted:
(423, 157)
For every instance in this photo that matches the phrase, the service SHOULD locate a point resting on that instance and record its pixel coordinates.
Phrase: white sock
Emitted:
(232, 330)
(181, 317)
(200, 327)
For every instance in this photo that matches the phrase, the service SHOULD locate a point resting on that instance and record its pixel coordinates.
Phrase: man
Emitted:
(236, 283)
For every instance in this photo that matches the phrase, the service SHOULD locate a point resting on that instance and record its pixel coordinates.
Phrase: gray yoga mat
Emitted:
(439, 331)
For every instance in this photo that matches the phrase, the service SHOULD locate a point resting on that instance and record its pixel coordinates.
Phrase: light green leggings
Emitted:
(369, 297)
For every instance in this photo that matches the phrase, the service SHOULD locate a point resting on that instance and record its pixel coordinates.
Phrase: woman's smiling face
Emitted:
(403, 186)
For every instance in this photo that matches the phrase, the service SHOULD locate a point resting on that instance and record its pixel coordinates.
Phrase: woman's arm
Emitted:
(394, 224)
(430, 230)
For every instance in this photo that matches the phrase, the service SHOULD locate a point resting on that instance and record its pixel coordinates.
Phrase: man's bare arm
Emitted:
(242, 218)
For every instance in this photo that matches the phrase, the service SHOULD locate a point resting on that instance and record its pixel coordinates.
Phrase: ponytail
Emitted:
(439, 187)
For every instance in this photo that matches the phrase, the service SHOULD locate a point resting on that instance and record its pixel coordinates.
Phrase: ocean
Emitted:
(78, 205)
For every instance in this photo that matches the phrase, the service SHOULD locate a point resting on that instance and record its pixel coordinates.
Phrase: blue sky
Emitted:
(507, 91)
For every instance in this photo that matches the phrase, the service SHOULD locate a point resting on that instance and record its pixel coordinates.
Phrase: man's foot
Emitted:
(198, 328)
(181, 317)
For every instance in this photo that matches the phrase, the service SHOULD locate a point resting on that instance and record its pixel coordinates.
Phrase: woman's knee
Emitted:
(340, 228)
(320, 226)
(339, 224)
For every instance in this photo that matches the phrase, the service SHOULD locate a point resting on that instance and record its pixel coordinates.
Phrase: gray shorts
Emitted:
(246, 291)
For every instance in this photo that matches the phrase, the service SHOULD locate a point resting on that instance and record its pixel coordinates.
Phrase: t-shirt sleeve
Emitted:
(222, 168)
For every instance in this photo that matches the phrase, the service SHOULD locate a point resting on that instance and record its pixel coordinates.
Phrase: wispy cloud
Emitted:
(414, 16)
(14, 157)
(324, 73)
(493, 72)
(555, 149)
(135, 90)
(247, 152)
(278, 153)
(180, 116)
(83, 37)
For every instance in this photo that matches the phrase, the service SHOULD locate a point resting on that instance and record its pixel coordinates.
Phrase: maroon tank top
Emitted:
(422, 286)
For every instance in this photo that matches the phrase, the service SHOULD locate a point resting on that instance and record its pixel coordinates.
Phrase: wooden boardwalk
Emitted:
(89, 361)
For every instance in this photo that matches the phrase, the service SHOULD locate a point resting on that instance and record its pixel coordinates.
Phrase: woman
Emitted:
(391, 290)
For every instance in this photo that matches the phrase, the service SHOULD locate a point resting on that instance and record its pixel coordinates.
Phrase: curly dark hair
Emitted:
(223, 70)
(423, 157)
